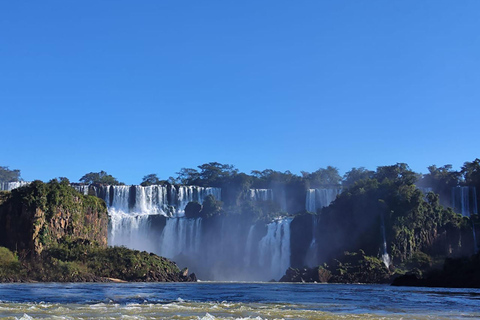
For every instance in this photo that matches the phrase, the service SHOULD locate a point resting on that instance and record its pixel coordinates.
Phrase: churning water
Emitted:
(234, 301)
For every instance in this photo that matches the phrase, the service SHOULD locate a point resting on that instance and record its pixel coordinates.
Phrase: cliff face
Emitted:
(38, 216)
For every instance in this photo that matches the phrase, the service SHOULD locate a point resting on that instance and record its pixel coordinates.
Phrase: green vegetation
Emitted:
(7, 175)
(36, 216)
(99, 178)
(80, 260)
(151, 179)
(61, 235)
(413, 221)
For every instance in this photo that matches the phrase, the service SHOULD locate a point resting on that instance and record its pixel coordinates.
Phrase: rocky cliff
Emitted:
(40, 215)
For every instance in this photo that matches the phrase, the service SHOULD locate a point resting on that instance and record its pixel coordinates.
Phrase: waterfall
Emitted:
(131, 207)
(260, 194)
(130, 231)
(475, 245)
(188, 194)
(9, 186)
(385, 257)
(320, 198)
(311, 258)
(169, 201)
(274, 248)
(248, 247)
(464, 200)
(181, 236)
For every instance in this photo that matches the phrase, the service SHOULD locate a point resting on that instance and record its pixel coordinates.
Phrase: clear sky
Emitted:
(139, 87)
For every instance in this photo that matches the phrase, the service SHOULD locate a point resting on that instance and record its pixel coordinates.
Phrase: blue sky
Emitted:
(139, 87)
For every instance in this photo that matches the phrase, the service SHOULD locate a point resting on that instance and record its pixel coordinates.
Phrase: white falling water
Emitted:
(260, 194)
(154, 199)
(464, 200)
(311, 258)
(320, 198)
(130, 231)
(385, 256)
(188, 194)
(9, 186)
(129, 216)
(150, 200)
(274, 248)
(475, 245)
(83, 189)
(248, 247)
(180, 236)
(121, 195)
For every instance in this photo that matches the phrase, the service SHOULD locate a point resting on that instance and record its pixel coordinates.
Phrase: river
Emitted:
(214, 300)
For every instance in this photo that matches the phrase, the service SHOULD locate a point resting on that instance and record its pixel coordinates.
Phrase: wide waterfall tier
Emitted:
(9, 186)
(222, 248)
(320, 198)
(464, 200)
(169, 201)
(277, 196)
(260, 194)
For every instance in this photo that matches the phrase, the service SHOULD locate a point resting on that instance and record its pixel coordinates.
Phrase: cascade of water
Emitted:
(9, 186)
(464, 200)
(310, 201)
(274, 248)
(121, 195)
(311, 258)
(320, 198)
(130, 231)
(83, 189)
(155, 199)
(151, 200)
(261, 194)
(474, 202)
(248, 247)
(385, 257)
(181, 236)
(475, 245)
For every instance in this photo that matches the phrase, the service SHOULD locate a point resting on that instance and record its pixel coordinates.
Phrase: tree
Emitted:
(399, 173)
(471, 172)
(441, 180)
(188, 176)
(356, 174)
(150, 179)
(215, 173)
(99, 177)
(328, 177)
(211, 207)
(7, 175)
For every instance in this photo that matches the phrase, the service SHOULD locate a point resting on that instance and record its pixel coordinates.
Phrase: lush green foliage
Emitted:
(354, 267)
(101, 177)
(328, 177)
(81, 260)
(35, 216)
(211, 174)
(151, 179)
(9, 264)
(7, 175)
(413, 221)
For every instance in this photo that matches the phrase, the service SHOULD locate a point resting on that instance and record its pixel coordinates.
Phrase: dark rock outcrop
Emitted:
(456, 273)
(37, 216)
